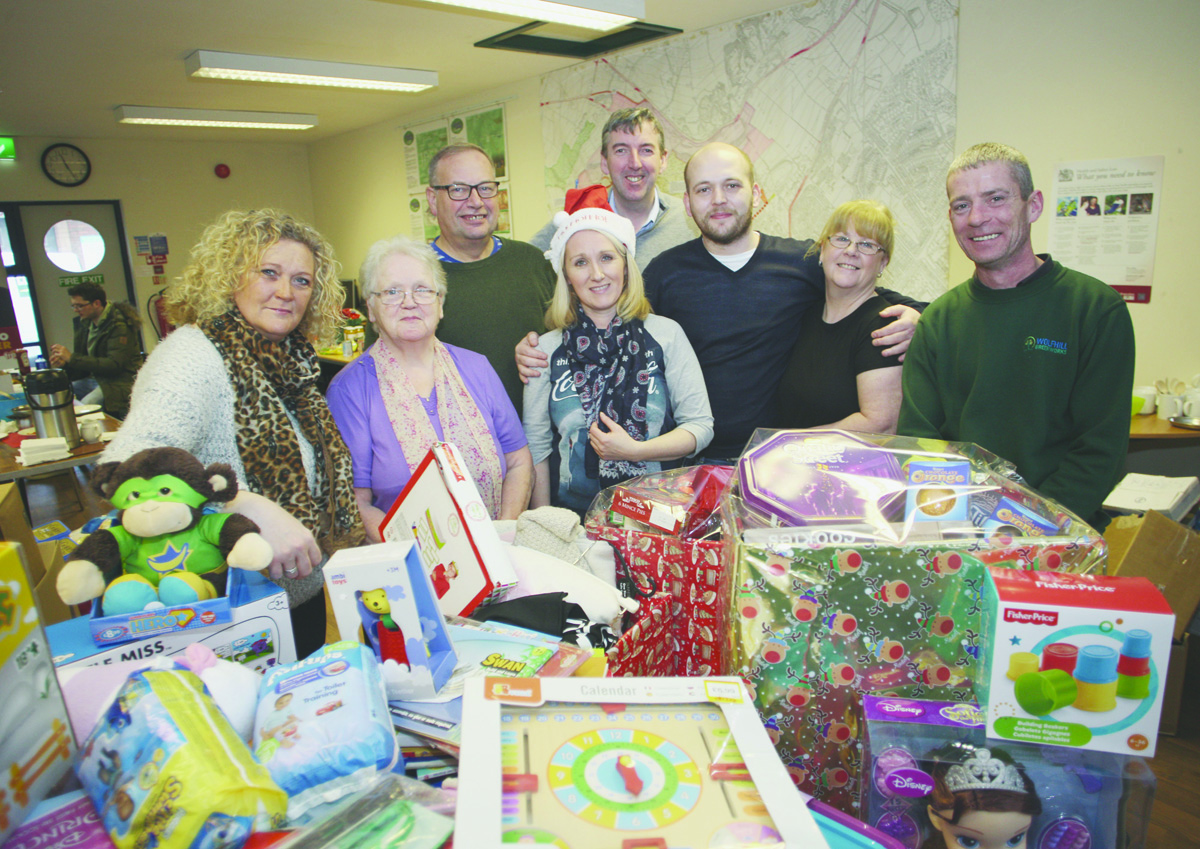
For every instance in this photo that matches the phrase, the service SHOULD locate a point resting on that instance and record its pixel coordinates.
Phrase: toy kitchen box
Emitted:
(1074, 660)
(441, 510)
(257, 633)
(852, 570)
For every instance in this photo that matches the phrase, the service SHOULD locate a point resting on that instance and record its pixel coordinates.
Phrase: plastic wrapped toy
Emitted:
(925, 759)
(854, 563)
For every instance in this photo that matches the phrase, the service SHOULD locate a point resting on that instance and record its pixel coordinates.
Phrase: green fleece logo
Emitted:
(1040, 343)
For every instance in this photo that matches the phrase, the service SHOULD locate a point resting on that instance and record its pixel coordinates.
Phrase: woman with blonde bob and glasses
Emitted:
(409, 390)
(236, 383)
(623, 392)
(836, 377)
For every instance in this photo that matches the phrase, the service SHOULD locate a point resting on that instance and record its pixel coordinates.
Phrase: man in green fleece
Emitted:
(1028, 359)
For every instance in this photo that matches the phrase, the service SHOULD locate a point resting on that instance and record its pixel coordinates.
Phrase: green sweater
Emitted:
(1040, 374)
(492, 303)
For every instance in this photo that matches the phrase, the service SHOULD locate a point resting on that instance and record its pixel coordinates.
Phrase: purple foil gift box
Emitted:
(816, 476)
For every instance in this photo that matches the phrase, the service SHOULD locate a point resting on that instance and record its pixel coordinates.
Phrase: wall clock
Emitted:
(66, 165)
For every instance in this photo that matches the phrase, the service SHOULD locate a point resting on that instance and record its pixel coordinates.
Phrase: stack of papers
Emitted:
(43, 450)
(1172, 497)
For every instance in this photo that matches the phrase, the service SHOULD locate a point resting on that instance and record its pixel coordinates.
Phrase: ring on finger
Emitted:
(291, 572)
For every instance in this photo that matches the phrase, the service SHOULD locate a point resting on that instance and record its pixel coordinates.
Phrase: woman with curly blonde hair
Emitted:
(237, 384)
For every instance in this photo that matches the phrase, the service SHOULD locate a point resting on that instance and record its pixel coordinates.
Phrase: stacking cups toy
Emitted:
(1040, 693)
(1021, 662)
(1096, 677)
(1060, 656)
(1133, 666)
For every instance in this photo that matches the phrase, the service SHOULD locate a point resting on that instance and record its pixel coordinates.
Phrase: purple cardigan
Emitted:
(379, 464)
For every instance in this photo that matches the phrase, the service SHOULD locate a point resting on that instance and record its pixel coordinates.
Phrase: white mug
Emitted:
(1169, 406)
(90, 431)
(1191, 406)
(1147, 394)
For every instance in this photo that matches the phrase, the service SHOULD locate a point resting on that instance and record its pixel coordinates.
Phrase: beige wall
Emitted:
(1094, 79)
(169, 187)
(359, 184)
(1072, 79)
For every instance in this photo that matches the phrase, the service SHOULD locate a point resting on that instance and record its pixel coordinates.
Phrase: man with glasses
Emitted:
(108, 346)
(1029, 359)
(633, 152)
(498, 287)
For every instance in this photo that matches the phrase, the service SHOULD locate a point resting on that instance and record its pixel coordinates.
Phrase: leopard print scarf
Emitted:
(269, 378)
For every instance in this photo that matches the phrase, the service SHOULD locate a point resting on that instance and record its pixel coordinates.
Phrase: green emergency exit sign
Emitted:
(76, 279)
(7, 150)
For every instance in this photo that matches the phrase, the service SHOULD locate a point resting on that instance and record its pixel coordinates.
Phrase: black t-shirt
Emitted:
(819, 383)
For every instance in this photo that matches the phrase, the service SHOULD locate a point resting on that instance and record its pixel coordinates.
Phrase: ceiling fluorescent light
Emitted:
(212, 64)
(214, 118)
(590, 14)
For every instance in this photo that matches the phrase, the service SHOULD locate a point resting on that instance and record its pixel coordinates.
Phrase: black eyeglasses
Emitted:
(462, 191)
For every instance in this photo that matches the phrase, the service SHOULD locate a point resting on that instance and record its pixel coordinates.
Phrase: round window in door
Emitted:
(74, 246)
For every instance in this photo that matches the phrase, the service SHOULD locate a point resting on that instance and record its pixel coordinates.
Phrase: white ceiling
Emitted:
(66, 64)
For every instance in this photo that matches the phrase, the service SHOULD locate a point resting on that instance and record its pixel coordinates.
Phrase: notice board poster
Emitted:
(484, 127)
(1104, 220)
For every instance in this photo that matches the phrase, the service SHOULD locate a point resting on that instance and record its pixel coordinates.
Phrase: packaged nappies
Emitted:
(322, 727)
(164, 768)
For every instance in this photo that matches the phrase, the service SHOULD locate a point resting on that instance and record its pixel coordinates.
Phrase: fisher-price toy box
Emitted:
(258, 633)
(1074, 660)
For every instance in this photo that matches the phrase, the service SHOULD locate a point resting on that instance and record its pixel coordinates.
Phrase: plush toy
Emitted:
(165, 543)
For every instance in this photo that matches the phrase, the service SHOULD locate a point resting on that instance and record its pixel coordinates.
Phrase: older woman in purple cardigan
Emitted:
(409, 390)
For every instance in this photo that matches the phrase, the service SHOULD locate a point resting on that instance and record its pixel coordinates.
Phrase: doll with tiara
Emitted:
(980, 800)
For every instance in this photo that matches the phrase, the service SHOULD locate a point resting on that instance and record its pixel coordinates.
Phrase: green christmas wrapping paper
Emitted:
(884, 600)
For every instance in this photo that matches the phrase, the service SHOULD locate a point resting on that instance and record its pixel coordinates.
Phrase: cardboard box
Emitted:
(1168, 723)
(1078, 661)
(441, 510)
(36, 743)
(259, 634)
(1155, 547)
(14, 527)
(200, 615)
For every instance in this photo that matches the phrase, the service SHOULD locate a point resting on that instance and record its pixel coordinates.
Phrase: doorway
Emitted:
(49, 247)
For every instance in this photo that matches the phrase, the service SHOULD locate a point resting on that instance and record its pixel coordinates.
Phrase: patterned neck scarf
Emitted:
(269, 378)
(609, 374)
(462, 423)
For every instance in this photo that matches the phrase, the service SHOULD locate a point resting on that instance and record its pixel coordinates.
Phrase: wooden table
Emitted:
(11, 470)
(1157, 447)
(1152, 427)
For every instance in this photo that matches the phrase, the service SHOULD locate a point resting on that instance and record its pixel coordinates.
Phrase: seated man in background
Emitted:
(1028, 359)
(108, 346)
(633, 152)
